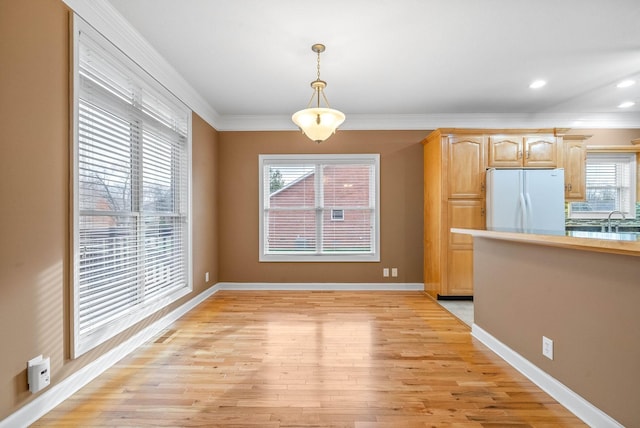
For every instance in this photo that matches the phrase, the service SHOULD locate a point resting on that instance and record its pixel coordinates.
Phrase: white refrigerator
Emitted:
(526, 200)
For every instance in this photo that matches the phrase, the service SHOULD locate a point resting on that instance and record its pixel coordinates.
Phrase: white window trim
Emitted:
(334, 211)
(586, 215)
(139, 313)
(374, 256)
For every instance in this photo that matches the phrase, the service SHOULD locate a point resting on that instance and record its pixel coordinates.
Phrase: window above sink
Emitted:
(610, 186)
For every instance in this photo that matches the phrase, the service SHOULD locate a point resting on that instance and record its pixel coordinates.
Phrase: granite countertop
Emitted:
(616, 236)
(622, 228)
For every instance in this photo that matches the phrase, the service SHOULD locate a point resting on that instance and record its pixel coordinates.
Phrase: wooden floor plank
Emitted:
(312, 359)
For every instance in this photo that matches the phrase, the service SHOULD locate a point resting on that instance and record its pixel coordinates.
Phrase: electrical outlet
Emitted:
(394, 272)
(547, 347)
(206, 277)
(385, 272)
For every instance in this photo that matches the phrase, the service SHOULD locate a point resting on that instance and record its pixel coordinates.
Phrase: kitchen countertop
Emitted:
(615, 243)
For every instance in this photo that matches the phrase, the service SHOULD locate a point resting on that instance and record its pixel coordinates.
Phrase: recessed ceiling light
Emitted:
(626, 83)
(627, 104)
(537, 84)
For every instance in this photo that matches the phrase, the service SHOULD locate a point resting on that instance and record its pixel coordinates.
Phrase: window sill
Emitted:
(344, 258)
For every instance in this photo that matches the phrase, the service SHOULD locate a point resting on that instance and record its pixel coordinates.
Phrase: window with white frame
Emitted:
(131, 193)
(337, 215)
(610, 186)
(302, 196)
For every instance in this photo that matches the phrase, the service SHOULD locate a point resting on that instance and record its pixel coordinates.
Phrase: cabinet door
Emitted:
(575, 154)
(460, 273)
(505, 151)
(463, 214)
(467, 214)
(466, 167)
(541, 152)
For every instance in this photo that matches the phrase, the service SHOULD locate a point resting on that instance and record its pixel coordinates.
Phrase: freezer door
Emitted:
(505, 199)
(544, 196)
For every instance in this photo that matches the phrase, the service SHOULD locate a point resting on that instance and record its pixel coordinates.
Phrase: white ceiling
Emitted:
(403, 63)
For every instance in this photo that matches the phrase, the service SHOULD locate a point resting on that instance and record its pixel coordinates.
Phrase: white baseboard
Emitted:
(321, 286)
(580, 407)
(50, 398)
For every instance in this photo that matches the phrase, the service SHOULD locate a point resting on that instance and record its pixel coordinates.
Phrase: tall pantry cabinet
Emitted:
(454, 196)
(455, 163)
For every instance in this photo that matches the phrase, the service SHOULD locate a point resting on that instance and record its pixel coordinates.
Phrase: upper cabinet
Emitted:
(505, 151)
(541, 151)
(518, 151)
(466, 166)
(575, 154)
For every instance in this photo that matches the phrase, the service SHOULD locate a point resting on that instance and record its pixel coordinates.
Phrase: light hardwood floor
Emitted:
(313, 359)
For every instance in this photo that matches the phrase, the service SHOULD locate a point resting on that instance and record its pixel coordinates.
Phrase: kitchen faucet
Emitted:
(609, 219)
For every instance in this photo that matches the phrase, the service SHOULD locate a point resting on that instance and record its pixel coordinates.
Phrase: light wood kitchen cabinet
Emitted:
(454, 174)
(505, 151)
(455, 163)
(468, 214)
(459, 273)
(524, 151)
(466, 165)
(575, 159)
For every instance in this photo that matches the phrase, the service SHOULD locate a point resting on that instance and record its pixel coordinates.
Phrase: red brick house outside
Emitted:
(345, 213)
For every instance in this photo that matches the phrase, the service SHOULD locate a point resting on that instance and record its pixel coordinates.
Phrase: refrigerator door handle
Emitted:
(523, 217)
(529, 211)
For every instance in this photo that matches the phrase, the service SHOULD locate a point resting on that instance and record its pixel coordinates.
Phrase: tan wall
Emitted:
(586, 302)
(205, 203)
(34, 174)
(34, 199)
(401, 206)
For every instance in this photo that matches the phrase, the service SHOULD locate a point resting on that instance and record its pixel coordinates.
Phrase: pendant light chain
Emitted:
(318, 88)
(318, 123)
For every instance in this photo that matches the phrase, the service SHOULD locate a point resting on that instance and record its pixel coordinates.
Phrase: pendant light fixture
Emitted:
(318, 123)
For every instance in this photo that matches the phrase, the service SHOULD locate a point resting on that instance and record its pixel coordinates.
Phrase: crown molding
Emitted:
(102, 16)
(434, 121)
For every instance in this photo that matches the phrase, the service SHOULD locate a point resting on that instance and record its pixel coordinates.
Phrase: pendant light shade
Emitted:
(318, 123)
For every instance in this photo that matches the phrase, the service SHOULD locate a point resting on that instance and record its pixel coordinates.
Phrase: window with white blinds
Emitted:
(131, 193)
(319, 207)
(610, 186)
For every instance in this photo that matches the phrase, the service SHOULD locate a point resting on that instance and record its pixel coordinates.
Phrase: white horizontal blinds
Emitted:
(108, 245)
(297, 214)
(609, 182)
(290, 211)
(164, 184)
(132, 190)
(348, 188)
